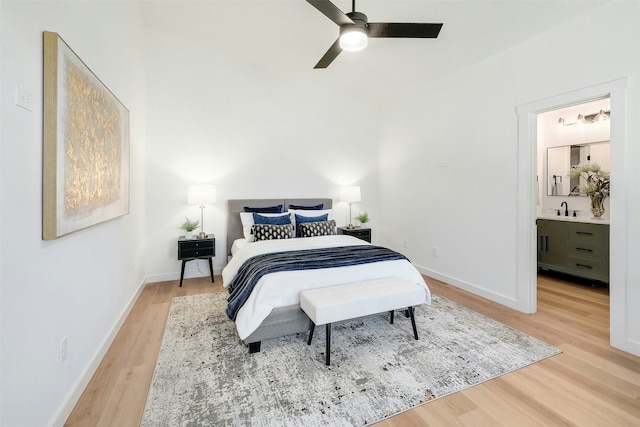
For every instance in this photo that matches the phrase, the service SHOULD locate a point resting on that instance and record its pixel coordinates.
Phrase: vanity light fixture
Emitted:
(201, 195)
(588, 119)
(601, 116)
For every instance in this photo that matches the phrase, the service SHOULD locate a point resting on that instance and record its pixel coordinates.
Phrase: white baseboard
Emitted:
(77, 390)
(470, 287)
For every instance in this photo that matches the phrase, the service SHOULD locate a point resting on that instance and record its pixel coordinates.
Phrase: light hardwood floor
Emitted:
(589, 384)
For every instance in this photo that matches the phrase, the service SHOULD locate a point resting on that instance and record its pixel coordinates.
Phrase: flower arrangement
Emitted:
(596, 187)
(597, 180)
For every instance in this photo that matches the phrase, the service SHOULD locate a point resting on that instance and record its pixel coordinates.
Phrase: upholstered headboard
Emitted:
(234, 225)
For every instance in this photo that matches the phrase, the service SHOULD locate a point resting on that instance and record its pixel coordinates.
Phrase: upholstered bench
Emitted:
(327, 305)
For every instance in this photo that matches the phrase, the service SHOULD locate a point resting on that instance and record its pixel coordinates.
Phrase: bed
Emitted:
(272, 309)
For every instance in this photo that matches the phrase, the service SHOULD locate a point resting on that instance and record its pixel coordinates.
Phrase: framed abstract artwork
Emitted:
(85, 145)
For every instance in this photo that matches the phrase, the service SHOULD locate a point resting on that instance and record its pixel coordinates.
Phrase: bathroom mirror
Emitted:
(561, 159)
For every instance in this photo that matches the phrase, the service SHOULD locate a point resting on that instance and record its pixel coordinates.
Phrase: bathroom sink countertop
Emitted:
(579, 218)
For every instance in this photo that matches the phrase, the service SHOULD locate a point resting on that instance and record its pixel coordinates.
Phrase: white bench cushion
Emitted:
(336, 303)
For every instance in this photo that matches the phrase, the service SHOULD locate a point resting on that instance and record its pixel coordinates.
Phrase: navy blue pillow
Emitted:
(301, 219)
(269, 209)
(273, 220)
(308, 208)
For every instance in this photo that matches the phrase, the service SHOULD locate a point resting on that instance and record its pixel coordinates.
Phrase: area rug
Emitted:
(204, 376)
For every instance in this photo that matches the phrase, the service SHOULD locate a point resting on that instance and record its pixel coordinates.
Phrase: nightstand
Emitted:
(195, 248)
(360, 233)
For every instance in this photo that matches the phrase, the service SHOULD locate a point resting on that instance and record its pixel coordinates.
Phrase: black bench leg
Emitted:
(313, 328)
(328, 350)
(391, 316)
(254, 347)
(413, 322)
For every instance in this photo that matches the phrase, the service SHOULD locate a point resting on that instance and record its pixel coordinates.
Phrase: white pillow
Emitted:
(309, 213)
(247, 222)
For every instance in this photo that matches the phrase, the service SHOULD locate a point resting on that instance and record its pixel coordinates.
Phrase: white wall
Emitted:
(449, 158)
(215, 120)
(80, 285)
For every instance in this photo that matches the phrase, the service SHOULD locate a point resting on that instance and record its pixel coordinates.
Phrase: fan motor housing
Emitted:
(359, 19)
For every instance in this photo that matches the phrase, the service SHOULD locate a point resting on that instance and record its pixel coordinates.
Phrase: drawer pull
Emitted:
(584, 233)
(584, 249)
(583, 265)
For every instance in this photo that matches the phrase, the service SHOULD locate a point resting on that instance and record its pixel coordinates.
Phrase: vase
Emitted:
(188, 235)
(597, 206)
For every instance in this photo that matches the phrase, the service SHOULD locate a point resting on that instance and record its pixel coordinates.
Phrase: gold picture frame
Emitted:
(85, 145)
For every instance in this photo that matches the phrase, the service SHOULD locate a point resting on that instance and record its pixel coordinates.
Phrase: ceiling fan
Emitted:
(355, 30)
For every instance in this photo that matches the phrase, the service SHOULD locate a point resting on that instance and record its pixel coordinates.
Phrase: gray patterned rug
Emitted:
(205, 377)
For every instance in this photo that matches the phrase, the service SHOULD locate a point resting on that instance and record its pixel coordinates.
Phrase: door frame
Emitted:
(617, 91)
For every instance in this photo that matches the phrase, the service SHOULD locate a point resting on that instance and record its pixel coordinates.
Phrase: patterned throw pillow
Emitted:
(272, 231)
(301, 219)
(320, 228)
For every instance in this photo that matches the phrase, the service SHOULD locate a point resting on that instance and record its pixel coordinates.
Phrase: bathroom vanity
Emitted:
(576, 246)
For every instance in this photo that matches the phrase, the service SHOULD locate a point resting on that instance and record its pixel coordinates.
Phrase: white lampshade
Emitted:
(350, 194)
(201, 195)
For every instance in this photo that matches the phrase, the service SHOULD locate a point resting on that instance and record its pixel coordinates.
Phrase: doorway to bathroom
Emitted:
(572, 243)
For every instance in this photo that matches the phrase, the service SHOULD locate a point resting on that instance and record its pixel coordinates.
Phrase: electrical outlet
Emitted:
(406, 243)
(435, 252)
(24, 98)
(64, 349)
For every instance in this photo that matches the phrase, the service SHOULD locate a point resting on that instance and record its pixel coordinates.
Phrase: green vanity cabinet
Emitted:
(553, 244)
(577, 248)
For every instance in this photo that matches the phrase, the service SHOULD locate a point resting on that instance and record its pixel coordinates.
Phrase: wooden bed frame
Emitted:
(284, 320)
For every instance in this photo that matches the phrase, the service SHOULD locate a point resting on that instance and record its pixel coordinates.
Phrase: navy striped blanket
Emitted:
(311, 259)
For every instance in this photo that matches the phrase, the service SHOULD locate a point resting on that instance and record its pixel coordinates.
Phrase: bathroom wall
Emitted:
(550, 134)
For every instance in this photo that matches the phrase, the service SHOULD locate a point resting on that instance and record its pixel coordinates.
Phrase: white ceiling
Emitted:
(288, 37)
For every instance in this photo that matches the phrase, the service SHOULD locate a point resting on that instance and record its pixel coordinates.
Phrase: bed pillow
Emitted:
(247, 222)
(320, 228)
(301, 219)
(276, 220)
(268, 209)
(272, 231)
(313, 213)
(307, 208)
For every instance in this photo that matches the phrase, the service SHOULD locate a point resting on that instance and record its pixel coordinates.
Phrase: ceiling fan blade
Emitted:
(331, 11)
(407, 30)
(330, 55)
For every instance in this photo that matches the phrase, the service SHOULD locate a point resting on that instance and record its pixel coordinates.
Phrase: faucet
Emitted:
(566, 208)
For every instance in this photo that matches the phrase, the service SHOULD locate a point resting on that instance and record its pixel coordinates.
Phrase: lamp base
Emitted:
(350, 226)
(202, 235)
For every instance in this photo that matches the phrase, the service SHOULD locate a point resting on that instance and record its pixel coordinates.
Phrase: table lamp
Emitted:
(201, 195)
(350, 195)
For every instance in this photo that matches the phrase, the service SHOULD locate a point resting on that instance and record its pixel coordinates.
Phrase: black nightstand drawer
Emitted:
(360, 233)
(196, 248)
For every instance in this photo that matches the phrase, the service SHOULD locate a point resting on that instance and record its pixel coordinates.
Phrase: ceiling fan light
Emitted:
(353, 38)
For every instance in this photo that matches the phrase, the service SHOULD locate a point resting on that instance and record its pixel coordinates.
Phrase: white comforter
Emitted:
(283, 288)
